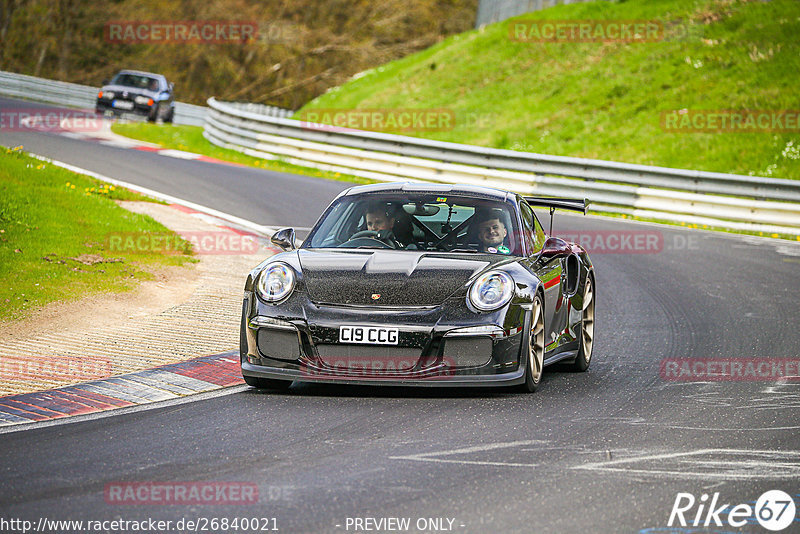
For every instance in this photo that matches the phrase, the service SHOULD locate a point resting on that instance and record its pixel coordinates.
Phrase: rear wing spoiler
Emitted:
(572, 204)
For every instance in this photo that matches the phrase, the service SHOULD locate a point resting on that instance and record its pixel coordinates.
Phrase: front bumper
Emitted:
(101, 106)
(444, 346)
(505, 379)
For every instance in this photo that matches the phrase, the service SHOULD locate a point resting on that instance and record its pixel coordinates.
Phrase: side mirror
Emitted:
(171, 86)
(555, 247)
(284, 239)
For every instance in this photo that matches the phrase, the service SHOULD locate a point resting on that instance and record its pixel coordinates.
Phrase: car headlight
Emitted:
(108, 95)
(143, 100)
(491, 290)
(275, 282)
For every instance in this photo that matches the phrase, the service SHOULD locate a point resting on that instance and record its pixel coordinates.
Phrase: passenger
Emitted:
(492, 232)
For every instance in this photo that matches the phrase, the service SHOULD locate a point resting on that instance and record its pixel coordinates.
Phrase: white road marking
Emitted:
(741, 464)
(431, 456)
(180, 154)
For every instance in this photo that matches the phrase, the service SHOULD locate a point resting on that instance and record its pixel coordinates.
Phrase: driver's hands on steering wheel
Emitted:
(384, 236)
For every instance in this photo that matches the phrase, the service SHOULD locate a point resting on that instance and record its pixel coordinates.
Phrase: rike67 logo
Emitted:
(775, 510)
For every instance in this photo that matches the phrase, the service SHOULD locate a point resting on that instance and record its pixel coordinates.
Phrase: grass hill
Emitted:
(605, 99)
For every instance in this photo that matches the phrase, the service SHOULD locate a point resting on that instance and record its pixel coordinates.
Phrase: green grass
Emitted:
(55, 227)
(190, 139)
(605, 100)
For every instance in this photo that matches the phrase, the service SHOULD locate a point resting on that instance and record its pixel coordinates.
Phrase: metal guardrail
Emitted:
(78, 96)
(490, 11)
(695, 197)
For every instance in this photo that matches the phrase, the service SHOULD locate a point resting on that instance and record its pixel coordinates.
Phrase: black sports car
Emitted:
(423, 285)
(140, 93)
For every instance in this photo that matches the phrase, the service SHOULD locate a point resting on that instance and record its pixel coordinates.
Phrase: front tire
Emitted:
(155, 113)
(267, 383)
(584, 357)
(535, 347)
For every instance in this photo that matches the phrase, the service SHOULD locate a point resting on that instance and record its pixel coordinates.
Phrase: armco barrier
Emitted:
(84, 96)
(715, 199)
(79, 96)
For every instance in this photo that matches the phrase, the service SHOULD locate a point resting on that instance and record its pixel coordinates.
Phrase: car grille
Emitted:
(467, 351)
(369, 359)
(278, 344)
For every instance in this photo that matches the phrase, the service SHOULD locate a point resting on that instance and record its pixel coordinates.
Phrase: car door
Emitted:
(549, 272)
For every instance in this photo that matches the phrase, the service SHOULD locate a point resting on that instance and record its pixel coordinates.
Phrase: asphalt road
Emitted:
(264, 197)
(604, 451)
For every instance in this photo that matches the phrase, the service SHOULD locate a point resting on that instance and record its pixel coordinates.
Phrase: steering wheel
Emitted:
(365, 233)
(370, 239)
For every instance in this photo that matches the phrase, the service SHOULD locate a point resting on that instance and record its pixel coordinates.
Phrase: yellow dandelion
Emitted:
(112, 188)
(72, 186)
(775, 235)
(760, 233)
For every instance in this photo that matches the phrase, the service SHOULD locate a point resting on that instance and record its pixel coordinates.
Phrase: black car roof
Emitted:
(434, 189)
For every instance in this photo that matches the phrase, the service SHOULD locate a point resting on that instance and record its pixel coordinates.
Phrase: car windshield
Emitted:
(135, 80)
(420, 222)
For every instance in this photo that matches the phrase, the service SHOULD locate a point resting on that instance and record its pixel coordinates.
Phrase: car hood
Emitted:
(132, 91)
(386, 277)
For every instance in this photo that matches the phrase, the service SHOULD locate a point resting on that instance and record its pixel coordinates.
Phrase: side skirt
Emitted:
(560, 356)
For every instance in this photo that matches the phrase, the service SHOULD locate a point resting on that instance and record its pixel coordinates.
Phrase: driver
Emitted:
(492, 232)
(378, 217)
(380, 220)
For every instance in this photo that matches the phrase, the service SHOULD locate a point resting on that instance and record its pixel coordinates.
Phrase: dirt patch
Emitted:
(172, 285)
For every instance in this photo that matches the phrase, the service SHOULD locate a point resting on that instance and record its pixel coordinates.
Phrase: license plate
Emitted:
(122, 104)
(372, 335)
